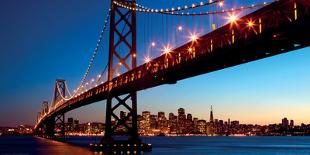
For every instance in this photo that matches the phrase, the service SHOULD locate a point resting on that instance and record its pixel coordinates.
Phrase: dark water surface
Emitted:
(166, 145)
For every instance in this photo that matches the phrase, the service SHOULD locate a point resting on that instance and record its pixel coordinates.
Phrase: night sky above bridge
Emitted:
(45, 40)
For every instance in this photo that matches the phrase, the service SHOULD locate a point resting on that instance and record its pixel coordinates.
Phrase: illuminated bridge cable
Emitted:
(94, 54)
(101, 75)
(142, 8)
(217, 12)
(63, 97)
(68, 90)
(179, 8)
(174, 12)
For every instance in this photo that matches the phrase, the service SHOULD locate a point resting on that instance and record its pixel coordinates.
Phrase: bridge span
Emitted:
(279, 27)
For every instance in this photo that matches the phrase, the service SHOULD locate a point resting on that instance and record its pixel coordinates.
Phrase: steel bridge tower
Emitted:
(122, 34)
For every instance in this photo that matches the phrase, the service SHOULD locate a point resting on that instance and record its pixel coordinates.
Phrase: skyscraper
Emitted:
(70, 124)
(189, 117)
(181, 120)
(76, 125)
(123, 114)
(285, 122)
(292, 123)
(211, 115)
(146, 123)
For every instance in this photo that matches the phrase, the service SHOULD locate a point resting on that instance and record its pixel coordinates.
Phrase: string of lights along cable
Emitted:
(178, 25)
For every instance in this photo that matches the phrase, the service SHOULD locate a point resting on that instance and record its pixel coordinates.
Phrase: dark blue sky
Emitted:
(42, 40)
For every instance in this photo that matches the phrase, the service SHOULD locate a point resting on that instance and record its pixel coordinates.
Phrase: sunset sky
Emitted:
(45, 40)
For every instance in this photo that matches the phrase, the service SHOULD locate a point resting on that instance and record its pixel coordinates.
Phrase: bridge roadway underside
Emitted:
(287, 37)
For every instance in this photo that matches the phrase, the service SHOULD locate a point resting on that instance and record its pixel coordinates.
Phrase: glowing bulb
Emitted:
(180, 28)
(120, 63)
(221, 4)
(147, 60)
(166, 49)
(190, 49)
(250, 23)
(92, 80)
(118, 74)
(232, 18)
(153, 44)
(193, 37)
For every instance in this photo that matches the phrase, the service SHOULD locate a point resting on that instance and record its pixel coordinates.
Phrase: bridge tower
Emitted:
(122, 56)
(54, 126)
(59, 120)
(45, 107)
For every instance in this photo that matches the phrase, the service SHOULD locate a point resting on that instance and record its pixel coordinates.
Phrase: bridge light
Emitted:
(221, 4)
(118, 74)
(153, 44)
(193, 37)
(167, 49)
(250, 23)
(134, 55)
(120, 63)
(147, 60)
(232, 18)
(180, 28)
(190, 50)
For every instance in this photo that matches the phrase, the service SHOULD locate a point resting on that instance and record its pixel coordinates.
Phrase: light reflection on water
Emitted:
(23, 145)
(167, 145)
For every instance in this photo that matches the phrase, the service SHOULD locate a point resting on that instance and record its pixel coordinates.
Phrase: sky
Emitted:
(44, 40)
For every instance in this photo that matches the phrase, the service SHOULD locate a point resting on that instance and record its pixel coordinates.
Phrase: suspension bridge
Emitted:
(272, 28)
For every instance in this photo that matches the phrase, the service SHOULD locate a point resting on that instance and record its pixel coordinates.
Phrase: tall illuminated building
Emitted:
(181, 120)
(211, 115)
(173, 123)
(146, 121)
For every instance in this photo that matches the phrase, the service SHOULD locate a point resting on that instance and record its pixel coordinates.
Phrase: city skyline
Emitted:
(259, 92)
(182, 123)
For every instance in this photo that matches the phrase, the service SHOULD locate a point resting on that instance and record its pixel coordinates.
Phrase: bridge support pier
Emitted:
(121, 19)
(129, 122)
(53, 128)
(60, 126)
(49, 128)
